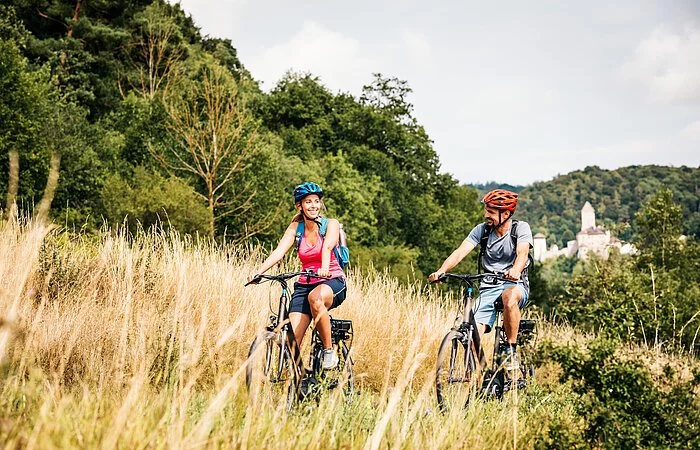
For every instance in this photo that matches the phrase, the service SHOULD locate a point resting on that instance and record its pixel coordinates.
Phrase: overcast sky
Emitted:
(512, 91)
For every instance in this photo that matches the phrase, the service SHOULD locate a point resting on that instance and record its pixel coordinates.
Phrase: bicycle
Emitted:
(456, 375)
(275, 365)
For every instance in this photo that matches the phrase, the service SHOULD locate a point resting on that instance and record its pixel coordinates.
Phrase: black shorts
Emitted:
(300, 297)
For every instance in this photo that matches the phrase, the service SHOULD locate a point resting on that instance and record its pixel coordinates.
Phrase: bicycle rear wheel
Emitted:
(342, 376)
(455, 374)
(271, 375)
(527, 370)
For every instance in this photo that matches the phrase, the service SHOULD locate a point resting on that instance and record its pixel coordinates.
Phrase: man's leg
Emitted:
(511, 312)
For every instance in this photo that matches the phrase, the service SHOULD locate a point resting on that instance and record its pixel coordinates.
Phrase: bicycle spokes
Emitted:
(455, 371)
(271, 375)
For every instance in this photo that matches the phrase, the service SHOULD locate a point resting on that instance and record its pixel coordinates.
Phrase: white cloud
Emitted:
(676, 149)
(692, 132)
(673, 150)
(335, 58)
(217, 18)
(416, 45)
(667, 63)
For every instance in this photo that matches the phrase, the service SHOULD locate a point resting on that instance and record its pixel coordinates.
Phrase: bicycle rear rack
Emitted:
(526, 330)
(341, 330)
(527, 326)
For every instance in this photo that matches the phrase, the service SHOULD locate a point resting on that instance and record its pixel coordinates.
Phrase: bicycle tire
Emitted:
(495, 384)
(347, 370)
(266, 381)
(527, 369)
(455, 372)
(343, 374)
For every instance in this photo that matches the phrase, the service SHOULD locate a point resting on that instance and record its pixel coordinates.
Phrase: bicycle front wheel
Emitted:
(455, 374)
(271, 376)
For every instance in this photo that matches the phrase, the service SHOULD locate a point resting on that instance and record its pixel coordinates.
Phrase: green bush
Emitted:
(400, 261)
(622, 406)
(150, 199)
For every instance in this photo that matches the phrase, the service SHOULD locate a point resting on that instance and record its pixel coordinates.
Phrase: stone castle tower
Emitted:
(591, 239)
(587, 217)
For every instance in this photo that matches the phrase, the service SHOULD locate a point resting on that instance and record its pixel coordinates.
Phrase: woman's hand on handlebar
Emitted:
(258, 277)
(324, 273)
(435, 277)
(254, 279)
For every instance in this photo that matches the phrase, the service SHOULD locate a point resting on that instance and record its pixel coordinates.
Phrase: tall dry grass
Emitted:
(115, 341)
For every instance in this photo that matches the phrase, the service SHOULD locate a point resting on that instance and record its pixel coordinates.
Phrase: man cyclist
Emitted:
(500, 255)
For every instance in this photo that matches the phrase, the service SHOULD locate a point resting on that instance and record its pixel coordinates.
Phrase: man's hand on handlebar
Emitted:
(512, 274)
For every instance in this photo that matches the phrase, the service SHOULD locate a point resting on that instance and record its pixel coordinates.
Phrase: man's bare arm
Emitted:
(521, 253)
(458, 255)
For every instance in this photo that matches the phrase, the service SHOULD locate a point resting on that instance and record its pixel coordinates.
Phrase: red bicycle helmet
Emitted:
(501, 199)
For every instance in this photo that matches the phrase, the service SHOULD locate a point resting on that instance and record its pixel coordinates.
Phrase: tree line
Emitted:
(123, 112)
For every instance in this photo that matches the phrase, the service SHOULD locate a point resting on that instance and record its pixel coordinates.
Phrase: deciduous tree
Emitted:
(215, 140)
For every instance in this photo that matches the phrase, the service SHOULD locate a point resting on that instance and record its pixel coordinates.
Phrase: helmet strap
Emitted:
(317, 220)
(500, 219)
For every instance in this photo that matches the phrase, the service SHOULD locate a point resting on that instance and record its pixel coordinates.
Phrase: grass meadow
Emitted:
(123, 342)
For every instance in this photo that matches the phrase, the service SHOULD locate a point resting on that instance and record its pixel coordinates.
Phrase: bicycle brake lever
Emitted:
(308, 275)
(256, 279)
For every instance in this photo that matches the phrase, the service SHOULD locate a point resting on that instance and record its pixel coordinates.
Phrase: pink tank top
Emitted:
(310, 258)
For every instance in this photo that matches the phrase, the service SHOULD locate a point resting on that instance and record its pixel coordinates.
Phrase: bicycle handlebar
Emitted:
(469, 278)
(284, 276)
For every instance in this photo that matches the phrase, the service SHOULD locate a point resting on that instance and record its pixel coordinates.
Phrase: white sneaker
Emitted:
(513, 362)
(330, 359)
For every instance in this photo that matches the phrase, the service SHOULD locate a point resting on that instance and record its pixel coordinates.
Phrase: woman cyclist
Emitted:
(312, 298)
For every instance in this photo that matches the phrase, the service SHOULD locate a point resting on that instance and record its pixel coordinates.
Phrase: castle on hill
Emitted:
(591, 239)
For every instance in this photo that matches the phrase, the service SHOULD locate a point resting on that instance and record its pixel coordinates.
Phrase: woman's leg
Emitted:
(320, 299)
(300, 322)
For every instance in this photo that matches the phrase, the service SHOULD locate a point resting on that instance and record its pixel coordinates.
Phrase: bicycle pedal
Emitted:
(308, 386)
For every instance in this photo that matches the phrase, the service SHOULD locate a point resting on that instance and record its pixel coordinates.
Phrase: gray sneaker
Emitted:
(512, 361)
(330, 359)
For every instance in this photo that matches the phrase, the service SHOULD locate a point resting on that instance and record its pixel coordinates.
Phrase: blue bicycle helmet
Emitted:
(305, 189)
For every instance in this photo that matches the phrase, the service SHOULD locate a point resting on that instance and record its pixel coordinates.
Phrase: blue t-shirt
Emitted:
(500, 253)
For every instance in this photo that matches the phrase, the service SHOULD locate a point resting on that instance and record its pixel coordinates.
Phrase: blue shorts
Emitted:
(300, 297)
(485, 311)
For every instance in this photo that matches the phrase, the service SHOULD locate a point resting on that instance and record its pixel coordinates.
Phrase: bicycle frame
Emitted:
(287, 332)
(280, 327)
(468, 325)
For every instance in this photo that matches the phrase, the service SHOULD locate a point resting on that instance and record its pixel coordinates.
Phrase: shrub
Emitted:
(620, 402)
(149, 199)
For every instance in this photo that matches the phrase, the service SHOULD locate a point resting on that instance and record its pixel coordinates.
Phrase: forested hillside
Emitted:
(146, 120)
(123, 112)
(554, 207)
(485, 187)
